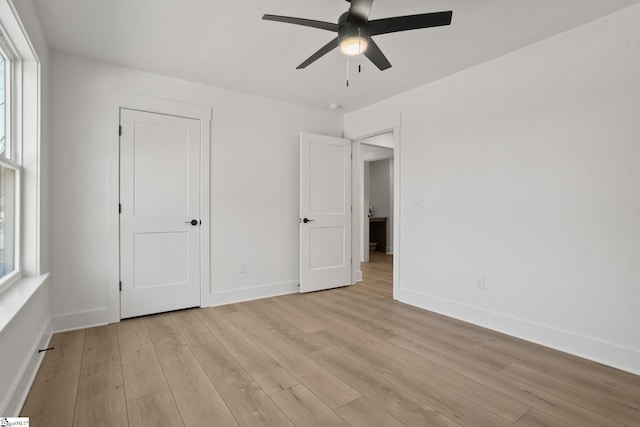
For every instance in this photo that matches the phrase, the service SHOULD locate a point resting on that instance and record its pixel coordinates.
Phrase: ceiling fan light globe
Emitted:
(353, 45)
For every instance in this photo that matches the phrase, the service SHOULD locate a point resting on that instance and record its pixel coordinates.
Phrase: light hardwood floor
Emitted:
(348, 356)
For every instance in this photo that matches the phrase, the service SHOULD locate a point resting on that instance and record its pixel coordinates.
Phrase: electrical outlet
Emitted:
(480, 283)
(242, 267)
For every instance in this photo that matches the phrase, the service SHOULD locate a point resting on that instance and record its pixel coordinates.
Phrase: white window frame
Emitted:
(13, 142)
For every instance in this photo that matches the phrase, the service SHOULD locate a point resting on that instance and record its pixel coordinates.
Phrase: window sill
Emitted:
(7, 281)
(16, 296)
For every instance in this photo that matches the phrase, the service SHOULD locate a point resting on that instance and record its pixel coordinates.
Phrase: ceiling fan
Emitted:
(355, 30)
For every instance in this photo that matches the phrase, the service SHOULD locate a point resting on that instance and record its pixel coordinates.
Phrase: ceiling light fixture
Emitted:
(354, 45)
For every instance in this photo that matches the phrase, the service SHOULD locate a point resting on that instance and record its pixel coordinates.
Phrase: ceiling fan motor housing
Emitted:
(351, 28)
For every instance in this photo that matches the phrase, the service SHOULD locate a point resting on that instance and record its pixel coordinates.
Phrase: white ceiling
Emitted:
(226, 44)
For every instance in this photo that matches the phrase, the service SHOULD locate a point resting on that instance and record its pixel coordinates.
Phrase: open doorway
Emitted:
(376, 211)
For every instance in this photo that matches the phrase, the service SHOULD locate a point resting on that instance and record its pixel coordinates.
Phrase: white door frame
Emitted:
(356, 219)
(116, 101)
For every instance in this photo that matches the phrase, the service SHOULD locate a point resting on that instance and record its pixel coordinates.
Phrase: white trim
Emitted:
(24, 381)
(22, 45)
(38, 164)
(30, 176)
(80, 320)
(15, 297)
(356, 178)
(27, 314)
(373, 157)
(252, 293)
(205, 207)
(358, 276)
(25, 129)
(8, 281)
(117, 100)
(397, 207)
(610, 354)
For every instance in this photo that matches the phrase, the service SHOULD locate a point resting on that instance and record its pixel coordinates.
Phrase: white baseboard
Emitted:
(358, 276)
(257, 292)
(626, 359)
(80, 320)
(27, 375)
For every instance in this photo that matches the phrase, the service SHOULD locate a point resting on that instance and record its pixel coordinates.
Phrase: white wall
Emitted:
(254, 184)
(524, 170)
(28, 330)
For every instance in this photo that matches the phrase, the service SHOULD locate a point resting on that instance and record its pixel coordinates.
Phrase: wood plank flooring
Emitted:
(349, 356)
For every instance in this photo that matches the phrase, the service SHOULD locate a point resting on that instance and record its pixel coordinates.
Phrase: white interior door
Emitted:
(159, 197)
(325, 212)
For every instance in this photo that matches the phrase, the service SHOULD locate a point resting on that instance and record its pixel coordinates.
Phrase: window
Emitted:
(9, 172)
(2, 105)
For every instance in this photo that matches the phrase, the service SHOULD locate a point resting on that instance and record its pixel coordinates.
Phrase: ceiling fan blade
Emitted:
(376, 56)
(409, 22)
(360, 9)
(319, 54)
(301, 21)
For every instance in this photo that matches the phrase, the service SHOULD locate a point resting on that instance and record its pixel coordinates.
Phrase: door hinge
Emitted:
(120, 130)
(119, 207)
(121, 286)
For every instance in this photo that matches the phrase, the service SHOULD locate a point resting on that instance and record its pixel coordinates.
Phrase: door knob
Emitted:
(306, 220)
(192, 222)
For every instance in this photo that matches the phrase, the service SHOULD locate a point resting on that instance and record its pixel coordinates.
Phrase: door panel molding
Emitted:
(115, 101)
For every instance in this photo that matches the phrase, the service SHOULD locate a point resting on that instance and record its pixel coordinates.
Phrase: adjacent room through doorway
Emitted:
(377, 216)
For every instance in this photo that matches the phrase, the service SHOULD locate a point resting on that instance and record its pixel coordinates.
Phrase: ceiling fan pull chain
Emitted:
(347, 71)
(359, 50)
